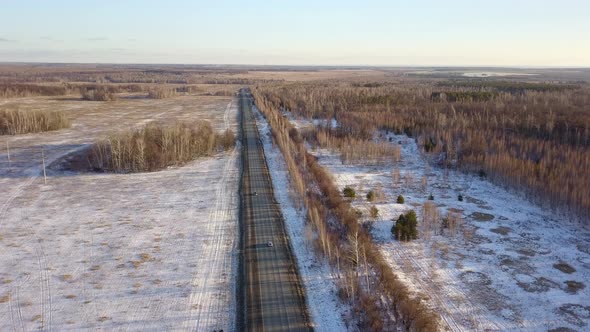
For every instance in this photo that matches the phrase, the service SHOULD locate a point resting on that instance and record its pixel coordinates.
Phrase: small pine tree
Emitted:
(460, 198)
(371, 196)
(400, 199)
(430, 197)
(405, 228)
(349, 192)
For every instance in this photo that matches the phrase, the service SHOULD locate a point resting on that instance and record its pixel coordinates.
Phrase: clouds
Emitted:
(6, 40)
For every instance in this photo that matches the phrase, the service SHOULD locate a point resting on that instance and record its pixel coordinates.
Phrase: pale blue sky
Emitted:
(420, 32)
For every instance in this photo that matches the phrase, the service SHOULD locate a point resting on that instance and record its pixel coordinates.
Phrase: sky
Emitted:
(515, 33)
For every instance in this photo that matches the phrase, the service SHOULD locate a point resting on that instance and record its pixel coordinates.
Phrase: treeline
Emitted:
(536, 142)
(10, 90)
(105, 92)
(509, 86)
(241, 81)
(54, 75)
(128, 75)
(157, 146)
(365, 279)
(15, 122)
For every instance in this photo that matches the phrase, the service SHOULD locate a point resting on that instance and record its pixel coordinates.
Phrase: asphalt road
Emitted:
(273, 297)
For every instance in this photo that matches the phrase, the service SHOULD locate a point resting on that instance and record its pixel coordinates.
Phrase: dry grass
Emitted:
(573, 286)
(564, 267)
(98, 94)
(67, 277)
(13, 90)
(481, 217)
(502, 230)
(143, 257)
(14, 122)
(156, 146)
(161, 93)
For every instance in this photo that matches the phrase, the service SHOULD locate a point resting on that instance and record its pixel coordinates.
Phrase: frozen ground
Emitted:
(478, 74)
(133, 252)
(512, 265)
(327, 312)
(493, 74)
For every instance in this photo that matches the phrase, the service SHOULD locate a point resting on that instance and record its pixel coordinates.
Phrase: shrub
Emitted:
(400, 199)
(405, 227)
(460, 198)
(98, 94)
(430, 197)
(153, 147)
(227, 140)
(371, 196)
(349, 192)
(19, 122)
(374, 212)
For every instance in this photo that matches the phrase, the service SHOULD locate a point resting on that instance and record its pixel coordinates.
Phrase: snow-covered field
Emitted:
(327, 312)
(512, 265)
(152, 251)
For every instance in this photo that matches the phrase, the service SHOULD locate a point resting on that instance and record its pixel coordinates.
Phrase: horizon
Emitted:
(527, 34)
(320, 66)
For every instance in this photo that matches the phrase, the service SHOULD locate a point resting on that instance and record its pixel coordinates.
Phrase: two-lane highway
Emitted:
(273, 294)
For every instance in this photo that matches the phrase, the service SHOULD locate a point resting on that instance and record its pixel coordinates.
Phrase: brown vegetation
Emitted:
(531, 137)
(342, 240)
(14, 122)
(99, 93)
(161, 93)
(157, 146)
(13, 90)
(357, 151)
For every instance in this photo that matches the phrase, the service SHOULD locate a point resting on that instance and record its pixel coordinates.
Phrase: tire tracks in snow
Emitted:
(212, 258)
(45, 284)
(30, 175)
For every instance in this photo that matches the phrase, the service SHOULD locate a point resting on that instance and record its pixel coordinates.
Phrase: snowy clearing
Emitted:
(501, 271)
(133, 252)
(327, 312)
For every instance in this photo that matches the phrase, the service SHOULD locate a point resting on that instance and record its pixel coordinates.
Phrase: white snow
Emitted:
(302, 123)
(327, 312)
(480, 279)
(478, 74)
(127, 252)
(494, 74)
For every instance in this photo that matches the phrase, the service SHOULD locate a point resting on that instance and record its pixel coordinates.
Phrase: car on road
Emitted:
(269, 244)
